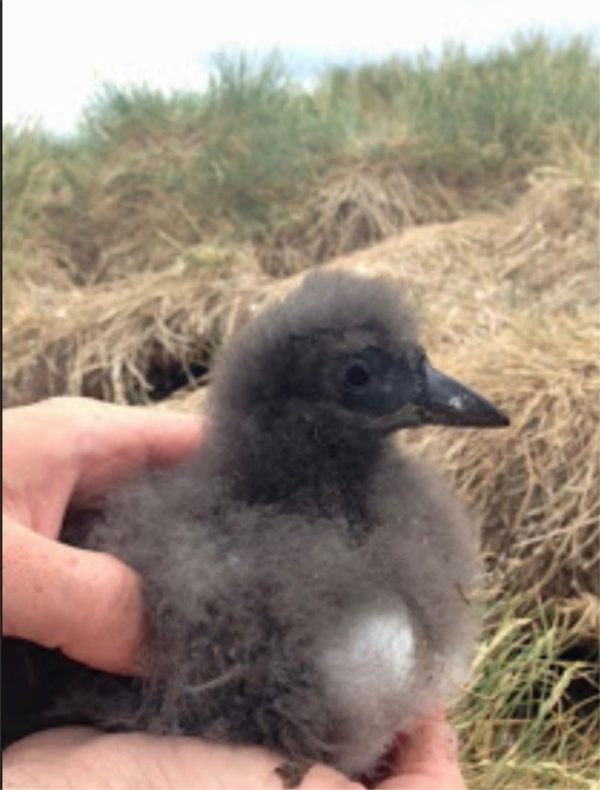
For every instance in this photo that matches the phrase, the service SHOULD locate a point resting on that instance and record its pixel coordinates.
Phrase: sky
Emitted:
(58, 53)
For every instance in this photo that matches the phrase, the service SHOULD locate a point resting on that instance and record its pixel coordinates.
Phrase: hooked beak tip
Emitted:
(448, 402)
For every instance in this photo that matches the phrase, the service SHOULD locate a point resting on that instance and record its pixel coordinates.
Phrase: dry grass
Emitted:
(121, 342)
(358, 206)
(466, 277)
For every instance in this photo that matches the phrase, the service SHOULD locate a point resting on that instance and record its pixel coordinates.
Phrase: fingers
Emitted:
(116, 441)
(190, 762)
(90, 443)
(427, 759)
(88, 604)
(45, 760)
(57, 738)
(84, 758)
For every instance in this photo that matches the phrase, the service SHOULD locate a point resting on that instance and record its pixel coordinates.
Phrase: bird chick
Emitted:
(305, 581)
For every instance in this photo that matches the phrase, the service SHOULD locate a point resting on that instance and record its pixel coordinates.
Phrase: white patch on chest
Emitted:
(367, 667)
(370, 660)
(377, 648)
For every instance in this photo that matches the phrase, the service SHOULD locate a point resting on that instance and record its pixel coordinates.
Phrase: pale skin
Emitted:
(90, 605)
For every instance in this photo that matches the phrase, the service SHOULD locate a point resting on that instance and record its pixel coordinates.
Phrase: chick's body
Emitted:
(307, 584)
(293, 629)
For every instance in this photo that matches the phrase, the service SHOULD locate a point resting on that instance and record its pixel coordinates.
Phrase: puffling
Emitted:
(306, 582)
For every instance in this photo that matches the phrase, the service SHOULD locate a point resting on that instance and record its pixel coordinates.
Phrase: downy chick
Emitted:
(307, 583)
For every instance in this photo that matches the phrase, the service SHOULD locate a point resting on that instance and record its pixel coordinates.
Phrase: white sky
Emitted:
(57, 53)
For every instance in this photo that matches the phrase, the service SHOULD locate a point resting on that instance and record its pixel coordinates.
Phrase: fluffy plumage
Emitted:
(307, 583)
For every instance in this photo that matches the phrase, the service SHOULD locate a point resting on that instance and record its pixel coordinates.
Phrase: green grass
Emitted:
(264, 142)
(256, 159)
(531, 715)
(29, 172)
(476, 117)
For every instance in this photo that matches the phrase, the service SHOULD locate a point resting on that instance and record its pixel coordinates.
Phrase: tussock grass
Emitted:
(493, 113)
(32, 169)
(300, 175)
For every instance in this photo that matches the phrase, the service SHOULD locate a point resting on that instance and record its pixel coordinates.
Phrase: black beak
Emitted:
(448, 402)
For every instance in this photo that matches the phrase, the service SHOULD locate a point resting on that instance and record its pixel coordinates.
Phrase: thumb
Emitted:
(427, 759)
(88, 604)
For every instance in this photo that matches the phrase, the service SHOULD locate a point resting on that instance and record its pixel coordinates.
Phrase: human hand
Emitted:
(84, 758)
(63, 450)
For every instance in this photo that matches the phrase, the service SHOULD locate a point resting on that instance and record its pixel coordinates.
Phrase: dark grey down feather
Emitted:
(307, 583)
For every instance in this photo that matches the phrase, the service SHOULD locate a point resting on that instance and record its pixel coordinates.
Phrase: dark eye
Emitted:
(358, 374)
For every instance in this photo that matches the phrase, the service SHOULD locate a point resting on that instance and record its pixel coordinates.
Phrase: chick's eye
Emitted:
(357, 374)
